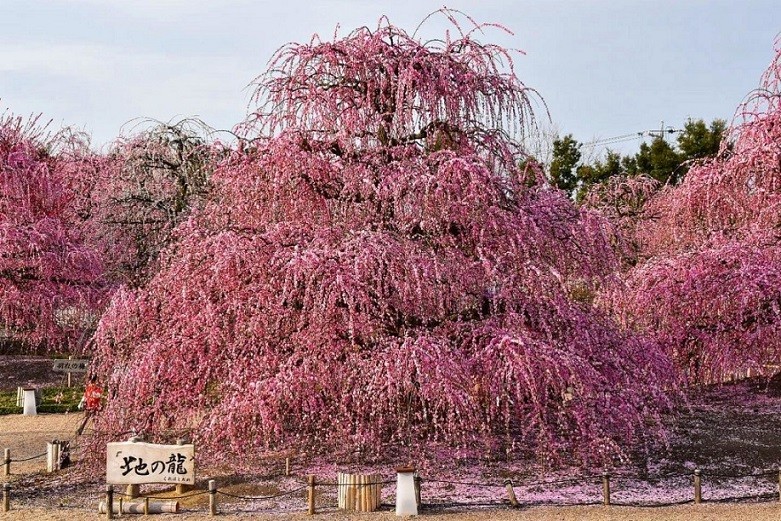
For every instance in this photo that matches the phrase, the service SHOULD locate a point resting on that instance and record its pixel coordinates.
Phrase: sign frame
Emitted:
(64, 365)
(139, 463)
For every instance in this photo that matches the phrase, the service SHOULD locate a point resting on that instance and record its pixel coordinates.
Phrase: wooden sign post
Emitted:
(70, 366)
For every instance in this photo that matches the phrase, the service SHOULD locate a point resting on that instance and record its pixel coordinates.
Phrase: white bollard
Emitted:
(30, 407)
(406, 502)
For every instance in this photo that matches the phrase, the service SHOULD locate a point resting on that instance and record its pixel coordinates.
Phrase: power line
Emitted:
(659, 132)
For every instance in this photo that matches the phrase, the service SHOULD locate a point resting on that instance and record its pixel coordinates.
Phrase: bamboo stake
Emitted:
(508, 484)
(606, 489)
(287, 466)
(697, 486)
(212, 497)
(146, 506)
(311, 494)
(351, 492)
(376, 492)
(6, 497)
(7, 463)
(365, 495)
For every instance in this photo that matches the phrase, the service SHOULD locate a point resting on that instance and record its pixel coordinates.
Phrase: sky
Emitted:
(603, 68)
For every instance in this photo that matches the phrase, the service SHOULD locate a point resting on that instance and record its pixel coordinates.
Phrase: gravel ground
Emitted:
(27, 436)
(685, 513)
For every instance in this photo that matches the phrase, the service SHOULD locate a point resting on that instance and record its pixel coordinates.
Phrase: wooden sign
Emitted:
(136, 463)
(71, 366)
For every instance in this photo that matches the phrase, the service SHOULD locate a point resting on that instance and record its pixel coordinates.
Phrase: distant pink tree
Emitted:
(50, 280)
(709, 290)
(375, 270)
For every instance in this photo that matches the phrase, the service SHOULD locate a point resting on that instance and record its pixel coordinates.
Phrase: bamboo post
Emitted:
(109, 501)
(7, 463)
(351, 492)
(365, 493)
(287, 466)
(510, 492)
(119, 510)
(606, 489)
(53, 456)
(69, 374)
(6, 497)
(146, 506)
(311, 494)
(697, 486)
(212, 497)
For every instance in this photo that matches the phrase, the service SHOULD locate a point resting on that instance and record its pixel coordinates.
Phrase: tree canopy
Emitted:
(51, 280)
(708, 288)
(375, 269)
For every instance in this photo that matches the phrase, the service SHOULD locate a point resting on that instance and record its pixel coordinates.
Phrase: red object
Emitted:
(92, 397)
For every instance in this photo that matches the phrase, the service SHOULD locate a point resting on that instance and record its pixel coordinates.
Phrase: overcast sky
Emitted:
(604, 68)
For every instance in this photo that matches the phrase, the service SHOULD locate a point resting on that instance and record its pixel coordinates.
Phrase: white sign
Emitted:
(71, 366)
(136, 463)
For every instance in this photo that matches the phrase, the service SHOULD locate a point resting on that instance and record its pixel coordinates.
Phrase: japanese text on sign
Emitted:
(71, 366)
(130, 463)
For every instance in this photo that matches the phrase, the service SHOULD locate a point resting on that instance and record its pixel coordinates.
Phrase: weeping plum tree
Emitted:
(50, 280)
(131, 199)
(375, 270)
(709, 290)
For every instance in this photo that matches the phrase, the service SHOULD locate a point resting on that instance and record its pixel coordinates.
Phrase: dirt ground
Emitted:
(704, 512)
(729, 431)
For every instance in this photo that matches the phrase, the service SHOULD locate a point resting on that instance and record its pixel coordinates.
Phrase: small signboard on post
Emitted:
(71, 366)
(137, 463)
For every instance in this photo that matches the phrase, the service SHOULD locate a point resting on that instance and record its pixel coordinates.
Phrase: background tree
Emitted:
(565, 158)
(375, 270)
(709, 287)
(51, 283)
(700, 141)
(659, 160)
(141, 190)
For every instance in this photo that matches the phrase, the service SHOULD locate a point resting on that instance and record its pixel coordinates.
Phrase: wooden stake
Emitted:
(7, 463)
(212, 497)
(146, 506)
(779, 484)
(119, 510)
(418, 483)
(6, 497)
(606, 489)
(133, 491)
(697, 486)
(109, 501)
(181, 488)
(508, 484)
(287, 466)
(69, 373)
(311, 494)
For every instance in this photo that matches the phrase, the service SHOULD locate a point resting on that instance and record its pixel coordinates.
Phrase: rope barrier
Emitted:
(27, 459)
(483, 485)
(761, 474)
(261, 498)
(356, 485)
(161, 498)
